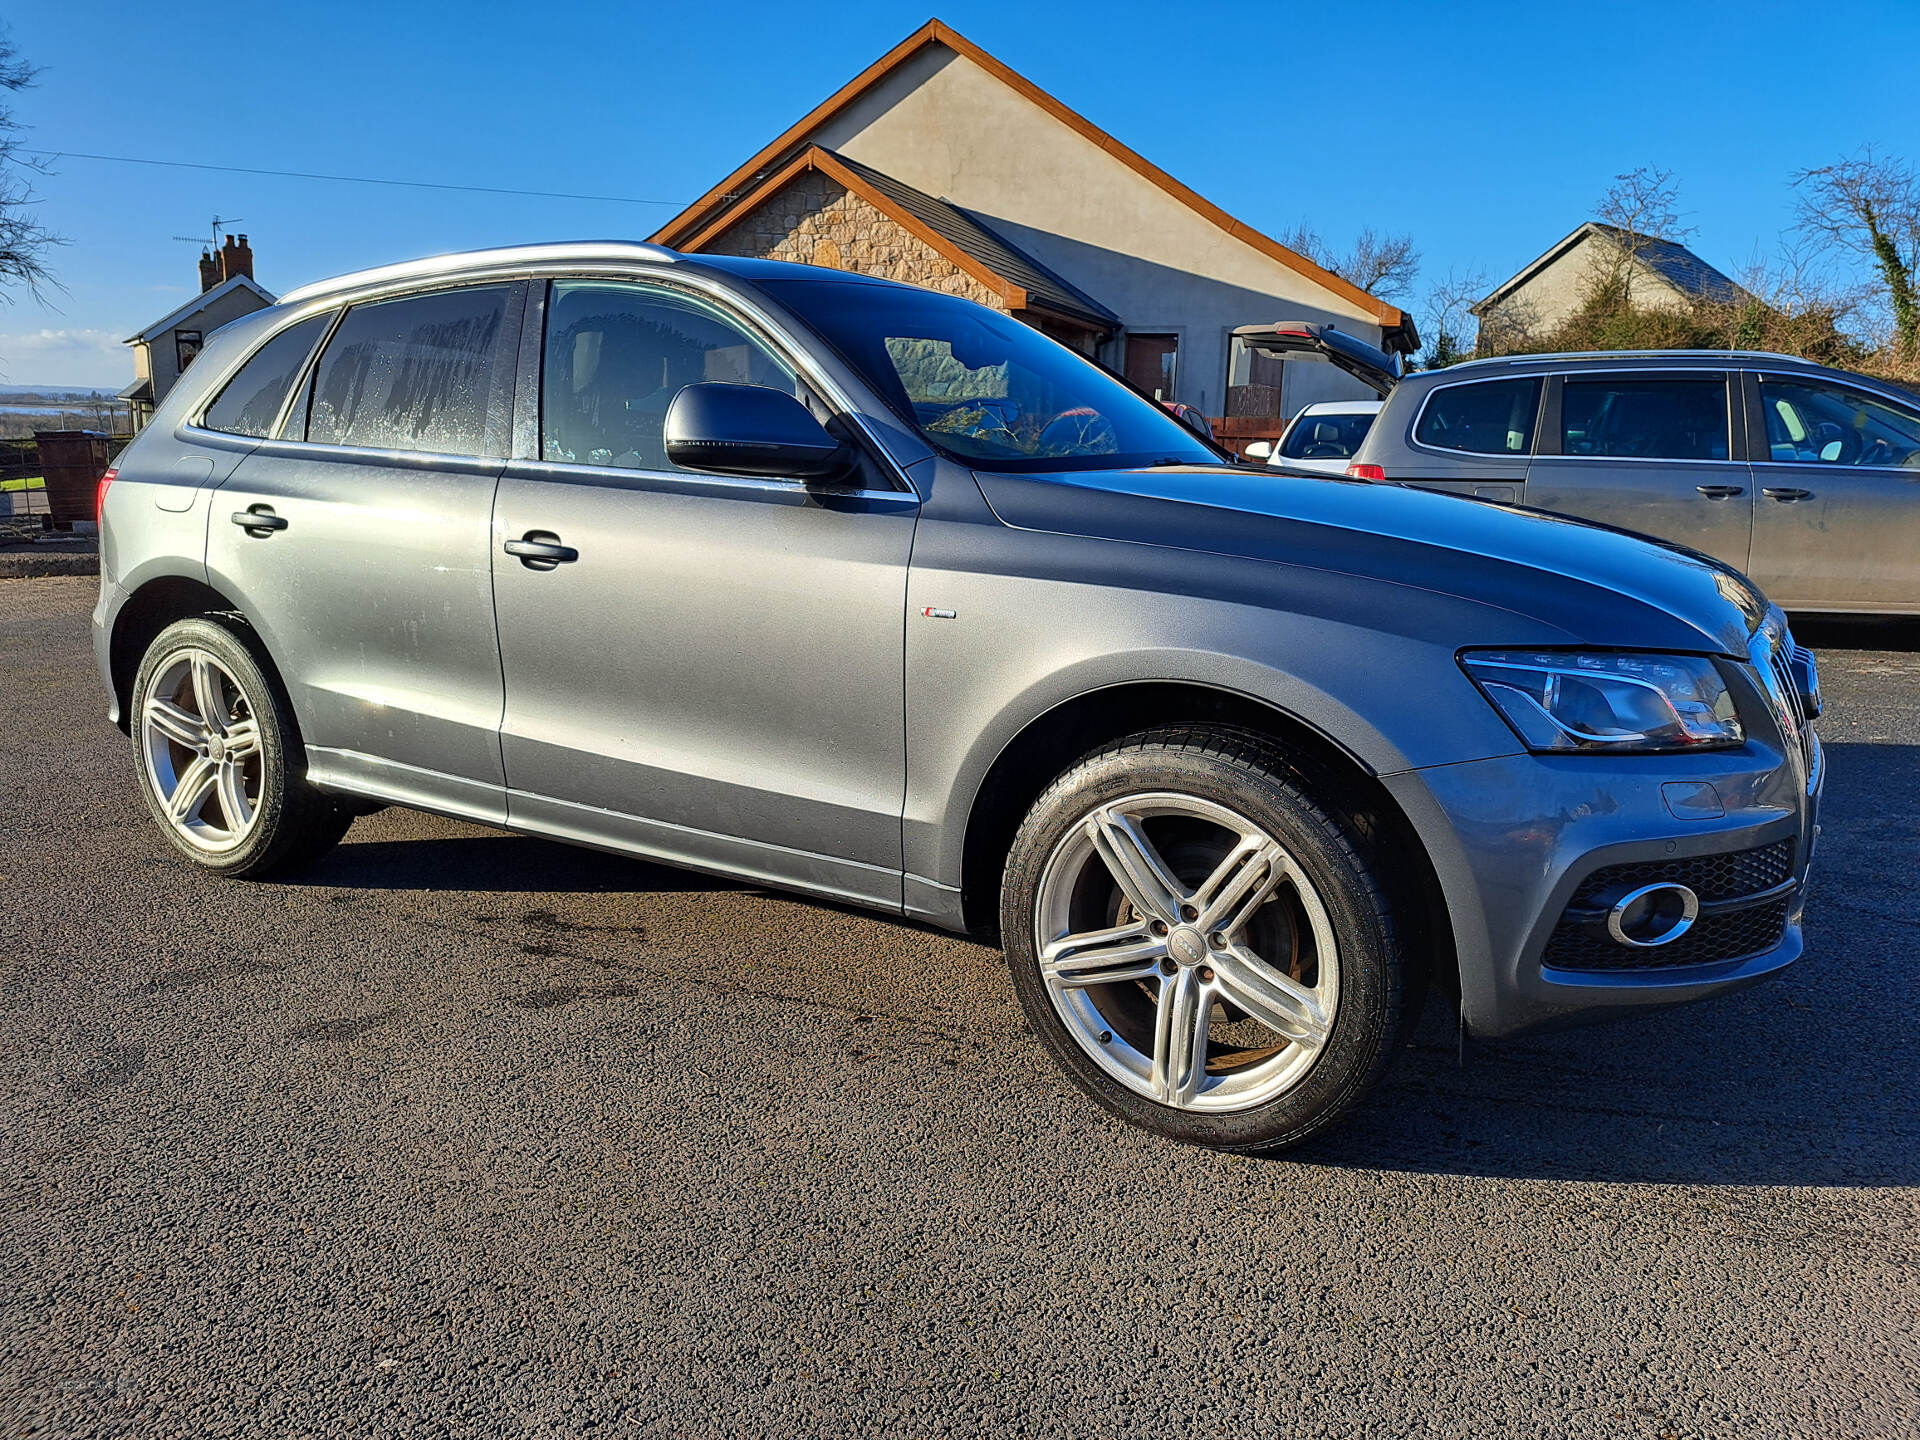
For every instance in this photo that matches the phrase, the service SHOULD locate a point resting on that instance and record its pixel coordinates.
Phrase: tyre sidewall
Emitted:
(1367, 1013)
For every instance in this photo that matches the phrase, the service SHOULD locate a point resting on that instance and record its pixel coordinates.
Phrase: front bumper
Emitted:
(1514, 838)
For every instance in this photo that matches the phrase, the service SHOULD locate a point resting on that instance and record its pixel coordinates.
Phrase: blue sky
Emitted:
(1485, 129)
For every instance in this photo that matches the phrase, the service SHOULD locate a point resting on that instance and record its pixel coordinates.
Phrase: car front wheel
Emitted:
(1201, 942)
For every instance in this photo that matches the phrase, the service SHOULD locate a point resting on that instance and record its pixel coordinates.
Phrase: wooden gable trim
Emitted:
(935, 32)
(827, 163)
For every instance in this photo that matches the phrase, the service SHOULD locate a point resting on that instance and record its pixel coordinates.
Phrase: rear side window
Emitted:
(1666, 417)
(1494, 418)
(412, 374)
(251, 400)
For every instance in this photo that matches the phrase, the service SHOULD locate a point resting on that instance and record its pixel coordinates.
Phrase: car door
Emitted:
(1836, 524)
(360, 542)
(1660, 452)
(707, 668)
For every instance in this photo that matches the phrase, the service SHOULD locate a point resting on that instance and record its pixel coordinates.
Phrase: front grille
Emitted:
(1711, 877)
(1581, 942)
(1733, 935)
(1773, 655)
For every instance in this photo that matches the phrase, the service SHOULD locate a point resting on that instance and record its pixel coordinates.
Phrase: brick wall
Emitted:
(816, 220)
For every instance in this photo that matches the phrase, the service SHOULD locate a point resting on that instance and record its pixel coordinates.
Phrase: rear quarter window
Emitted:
(1494, 417)
(251, 400)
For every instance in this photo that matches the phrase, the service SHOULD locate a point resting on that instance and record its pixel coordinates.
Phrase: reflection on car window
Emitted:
(412, 374)
(1495, 418)
(1666, 417)
(616, 356)
(985, 388)
(251, 400)
(1819, 424)
(1326, 437)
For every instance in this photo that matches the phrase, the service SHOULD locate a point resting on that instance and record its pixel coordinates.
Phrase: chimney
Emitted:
(236, 258)
(209, 272)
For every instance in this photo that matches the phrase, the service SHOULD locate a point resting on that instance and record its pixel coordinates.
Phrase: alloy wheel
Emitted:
(201, 743)
(1187, 952)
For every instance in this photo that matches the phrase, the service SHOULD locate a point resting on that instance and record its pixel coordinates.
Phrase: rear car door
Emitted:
(1836, 523)
(359, 540)
(1660, 452)
(713, 671)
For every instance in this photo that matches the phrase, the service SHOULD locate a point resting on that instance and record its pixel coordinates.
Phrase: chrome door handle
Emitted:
(1721, 492)
(1785, 494)
(258, 520)
(541, 550)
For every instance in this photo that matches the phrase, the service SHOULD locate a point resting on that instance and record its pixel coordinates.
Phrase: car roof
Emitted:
(1617, 359)
(1342, 407)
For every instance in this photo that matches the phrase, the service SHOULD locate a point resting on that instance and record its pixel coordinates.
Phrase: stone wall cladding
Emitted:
(815, 220)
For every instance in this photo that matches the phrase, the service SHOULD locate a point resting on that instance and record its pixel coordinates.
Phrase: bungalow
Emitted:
(166, 347)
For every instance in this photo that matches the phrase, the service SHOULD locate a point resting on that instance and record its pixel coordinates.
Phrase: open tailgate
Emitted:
(1309, 340)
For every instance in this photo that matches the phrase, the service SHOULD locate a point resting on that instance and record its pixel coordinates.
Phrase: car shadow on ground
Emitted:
(493, 862)
(1803, 1080)
(1827, 632)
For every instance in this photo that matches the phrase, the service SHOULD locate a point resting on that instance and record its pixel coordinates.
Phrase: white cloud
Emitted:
(65, 357)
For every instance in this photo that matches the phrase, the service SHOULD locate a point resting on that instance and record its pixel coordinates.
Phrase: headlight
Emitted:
(1610, 703)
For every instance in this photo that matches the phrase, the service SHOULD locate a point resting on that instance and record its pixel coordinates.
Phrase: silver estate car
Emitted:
(866, 592)
(1806, 479)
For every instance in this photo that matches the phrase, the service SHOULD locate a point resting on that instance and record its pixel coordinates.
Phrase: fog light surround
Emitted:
(1653, 915)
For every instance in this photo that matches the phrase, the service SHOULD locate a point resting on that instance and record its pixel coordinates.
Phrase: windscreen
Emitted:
(984, 388)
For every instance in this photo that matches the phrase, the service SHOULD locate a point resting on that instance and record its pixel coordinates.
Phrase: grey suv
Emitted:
(869, 593)
(1806, 479)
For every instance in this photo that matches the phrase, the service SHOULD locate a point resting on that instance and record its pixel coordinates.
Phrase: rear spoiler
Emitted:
(1374, 368)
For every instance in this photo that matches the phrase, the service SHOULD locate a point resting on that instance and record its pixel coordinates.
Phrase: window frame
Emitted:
(1540, 381)
(1755, 407)
(213, 396)
(526, 453)
(1549, 435)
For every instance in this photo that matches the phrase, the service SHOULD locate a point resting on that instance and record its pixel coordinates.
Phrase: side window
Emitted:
(1654, 417)
(617, 354)
(1810, 423)
(1494, 418)
(252, 398)
(412, 374)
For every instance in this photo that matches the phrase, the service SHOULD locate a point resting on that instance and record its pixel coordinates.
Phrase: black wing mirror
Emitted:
(750, 430)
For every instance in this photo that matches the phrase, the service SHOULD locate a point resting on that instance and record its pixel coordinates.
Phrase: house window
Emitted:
(186, 345)
(1253, 382)
(1150, 363)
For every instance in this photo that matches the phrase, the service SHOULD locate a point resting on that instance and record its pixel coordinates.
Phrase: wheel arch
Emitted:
(152, 607)
(1053, 740)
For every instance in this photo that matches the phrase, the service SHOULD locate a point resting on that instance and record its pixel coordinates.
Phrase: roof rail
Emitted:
(1524, 356)
(502, 258)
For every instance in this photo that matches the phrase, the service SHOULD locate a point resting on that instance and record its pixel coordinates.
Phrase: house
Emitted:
(1660, 275)
(941, 166)
(166, 347)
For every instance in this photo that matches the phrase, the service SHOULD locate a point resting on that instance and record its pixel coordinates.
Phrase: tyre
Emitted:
(219, 756)
(1201, 943)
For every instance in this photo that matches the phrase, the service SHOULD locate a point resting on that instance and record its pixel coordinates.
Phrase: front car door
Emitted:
(1836, 525)
(360, 541)
(712, 672)
(1660, 452)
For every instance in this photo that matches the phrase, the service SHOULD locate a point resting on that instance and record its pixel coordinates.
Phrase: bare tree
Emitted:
(1383, 265)
(23, 243)
(1871, 207)
(1448, 313)
(1639, 206)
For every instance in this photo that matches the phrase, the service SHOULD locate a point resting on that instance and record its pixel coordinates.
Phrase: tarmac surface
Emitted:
(468, 1134)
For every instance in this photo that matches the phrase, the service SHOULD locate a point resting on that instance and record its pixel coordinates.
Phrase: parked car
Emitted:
(1805, 478)
(1191, 416)
(1322, 438)
(863, 591)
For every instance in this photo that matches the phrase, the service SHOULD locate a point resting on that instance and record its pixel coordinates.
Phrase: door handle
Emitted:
(259, 520)
(541, 550)
(1721, 492)
(1785, 494)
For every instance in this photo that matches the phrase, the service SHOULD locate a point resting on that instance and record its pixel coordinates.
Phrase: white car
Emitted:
(1324, 436)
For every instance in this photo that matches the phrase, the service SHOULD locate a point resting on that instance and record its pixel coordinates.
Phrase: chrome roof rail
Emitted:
(504, 258)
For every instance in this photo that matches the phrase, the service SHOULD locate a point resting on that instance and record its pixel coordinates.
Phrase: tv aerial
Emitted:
(221, 225)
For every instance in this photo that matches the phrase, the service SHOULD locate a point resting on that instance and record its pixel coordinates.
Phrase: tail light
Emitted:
(100, 495)
(1366, 472)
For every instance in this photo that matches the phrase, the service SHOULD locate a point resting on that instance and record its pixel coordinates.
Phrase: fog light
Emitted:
(1653, 915)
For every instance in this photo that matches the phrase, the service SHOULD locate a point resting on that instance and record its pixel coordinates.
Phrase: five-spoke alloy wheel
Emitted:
(220, 759)
(1201, 943)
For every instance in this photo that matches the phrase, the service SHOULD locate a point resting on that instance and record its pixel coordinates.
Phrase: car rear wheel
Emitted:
(1201, 942)
(219, 756)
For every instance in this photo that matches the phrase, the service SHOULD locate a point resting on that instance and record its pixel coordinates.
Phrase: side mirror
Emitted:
(749, 430)
(1260, 450)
